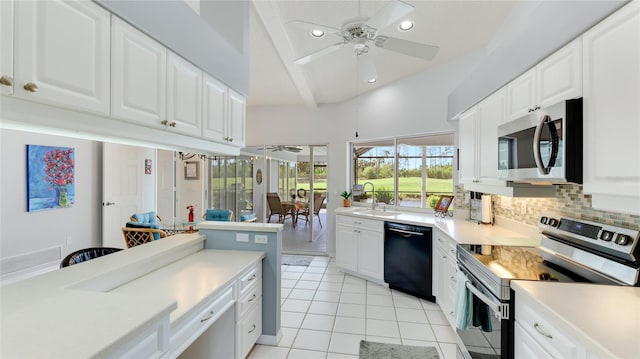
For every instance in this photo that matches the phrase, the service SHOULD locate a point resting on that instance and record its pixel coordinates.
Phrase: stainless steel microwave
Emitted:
(544, 146)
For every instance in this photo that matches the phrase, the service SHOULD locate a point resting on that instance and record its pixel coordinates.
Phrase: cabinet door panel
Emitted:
(6, 44)
(371, 254)
(522, 95)
(346, 248)
(63, 48)
(236, 131)
(491, 113)
(184, 95)
(214, 109)
(611, 109)
(467, 146)
(559, 77)
(139, 76)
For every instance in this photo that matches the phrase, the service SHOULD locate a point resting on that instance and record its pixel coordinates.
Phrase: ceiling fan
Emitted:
(277, 148)
(359, 31)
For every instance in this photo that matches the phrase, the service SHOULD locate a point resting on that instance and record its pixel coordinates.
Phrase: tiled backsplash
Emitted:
(569, 201)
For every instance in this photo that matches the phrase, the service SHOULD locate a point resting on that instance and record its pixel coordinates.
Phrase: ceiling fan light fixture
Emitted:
(406, 25)
(317, 33)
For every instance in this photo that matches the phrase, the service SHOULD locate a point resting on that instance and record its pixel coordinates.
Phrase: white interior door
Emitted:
(122, 171)
(166, 185)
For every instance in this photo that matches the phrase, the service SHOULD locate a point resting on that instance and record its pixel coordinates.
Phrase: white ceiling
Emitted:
(457, 27)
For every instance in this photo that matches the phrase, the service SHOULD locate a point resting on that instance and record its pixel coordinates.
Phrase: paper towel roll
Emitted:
(487, 214)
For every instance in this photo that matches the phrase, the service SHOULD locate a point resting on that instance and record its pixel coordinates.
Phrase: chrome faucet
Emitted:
(373, 194)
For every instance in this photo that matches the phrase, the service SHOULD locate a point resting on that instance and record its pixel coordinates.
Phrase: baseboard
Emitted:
(270, 339)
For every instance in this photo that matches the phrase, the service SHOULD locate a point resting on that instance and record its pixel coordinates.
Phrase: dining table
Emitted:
(294, 207)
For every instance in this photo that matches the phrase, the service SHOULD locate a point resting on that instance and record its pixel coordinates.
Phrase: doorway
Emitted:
(299, 175)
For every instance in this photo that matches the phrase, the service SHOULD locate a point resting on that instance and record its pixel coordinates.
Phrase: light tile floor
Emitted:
(325, 314)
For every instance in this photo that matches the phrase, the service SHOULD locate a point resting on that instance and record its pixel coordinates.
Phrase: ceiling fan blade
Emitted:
(389, 14)
(407, 47)
(308, 26)
(366, 69)
(314, 55)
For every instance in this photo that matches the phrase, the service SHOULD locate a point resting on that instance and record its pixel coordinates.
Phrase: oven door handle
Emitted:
(496, 308)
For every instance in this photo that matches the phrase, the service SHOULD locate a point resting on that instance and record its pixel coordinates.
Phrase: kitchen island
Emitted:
(145, 301)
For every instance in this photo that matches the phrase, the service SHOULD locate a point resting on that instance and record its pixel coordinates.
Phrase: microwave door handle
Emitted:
(537, 156)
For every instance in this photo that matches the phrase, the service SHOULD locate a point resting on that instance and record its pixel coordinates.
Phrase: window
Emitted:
(231, 184)
(407, 171)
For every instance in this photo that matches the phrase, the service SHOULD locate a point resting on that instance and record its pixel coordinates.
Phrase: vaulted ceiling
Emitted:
(276, 41)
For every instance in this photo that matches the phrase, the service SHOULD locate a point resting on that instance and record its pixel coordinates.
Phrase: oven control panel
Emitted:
(618, 241)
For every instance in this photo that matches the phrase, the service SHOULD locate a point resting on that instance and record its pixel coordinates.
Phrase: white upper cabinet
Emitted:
(491, 113)
(612, 111)
(522, 95)
(478, 140)
(467, 146)
(62, 53)
(214, 109)
(184, 96)
(139, 76)
(6, 47)
(554, 79)
(559, 77)
(237, 115)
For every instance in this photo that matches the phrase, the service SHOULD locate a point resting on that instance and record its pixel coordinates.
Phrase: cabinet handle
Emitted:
(172, 124)
(164, 122)
(252, 278)
(207, 318)
(230, 139)
(542, 332)
(31, 87)
(6, 80)
(252, 329)
(253, 297)
(444, 257)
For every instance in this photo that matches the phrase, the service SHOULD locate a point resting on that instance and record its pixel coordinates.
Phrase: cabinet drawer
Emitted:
(196, 323)
(250, 298)
(549, 334)
(250, 328)
(359, 222)
(250, 277)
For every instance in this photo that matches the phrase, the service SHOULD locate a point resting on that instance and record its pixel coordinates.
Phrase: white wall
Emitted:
(415, 105)
(23, 232)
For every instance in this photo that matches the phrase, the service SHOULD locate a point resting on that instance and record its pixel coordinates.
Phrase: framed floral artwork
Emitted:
(50, 177)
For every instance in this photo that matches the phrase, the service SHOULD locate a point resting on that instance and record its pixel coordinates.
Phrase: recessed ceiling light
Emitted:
(317, 33)
(373, 80)
(406, 25)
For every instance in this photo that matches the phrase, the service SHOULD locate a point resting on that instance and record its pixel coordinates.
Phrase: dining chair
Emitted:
(276, 207)
(135, 236)
(318, 200)
(86, 254)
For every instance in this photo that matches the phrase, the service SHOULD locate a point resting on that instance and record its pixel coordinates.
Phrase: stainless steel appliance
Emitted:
(544, 146)
(407, 259)
(571, 250)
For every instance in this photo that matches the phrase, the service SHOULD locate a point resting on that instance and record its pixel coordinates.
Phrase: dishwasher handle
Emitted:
(405, 232)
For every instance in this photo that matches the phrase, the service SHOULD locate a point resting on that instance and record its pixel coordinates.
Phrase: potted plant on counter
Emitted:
(346, 201)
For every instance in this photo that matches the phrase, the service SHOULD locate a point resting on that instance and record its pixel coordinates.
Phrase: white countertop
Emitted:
(241, 226)
(213, 268)
(70, 312)
(459, 229)
(606, 317)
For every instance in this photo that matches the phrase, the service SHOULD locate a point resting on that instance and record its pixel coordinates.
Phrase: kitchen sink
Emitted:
(375, 212)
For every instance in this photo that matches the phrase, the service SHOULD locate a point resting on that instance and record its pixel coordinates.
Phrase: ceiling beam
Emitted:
(275, 28)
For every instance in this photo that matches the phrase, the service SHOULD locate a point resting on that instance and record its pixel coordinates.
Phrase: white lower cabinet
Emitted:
(360, 247)
(189, 329)
(611, 111)
(539, 334)
(446, 274)
(248, 311)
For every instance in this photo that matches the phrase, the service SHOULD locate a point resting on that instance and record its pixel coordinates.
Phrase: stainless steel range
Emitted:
(571, 250)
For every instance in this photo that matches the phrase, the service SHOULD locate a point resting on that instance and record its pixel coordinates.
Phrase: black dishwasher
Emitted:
(408, 259)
